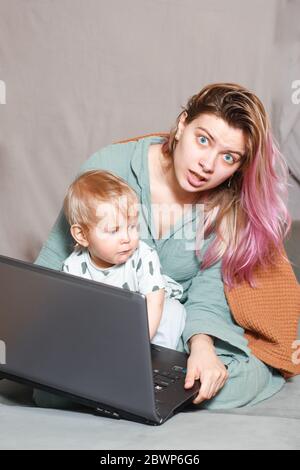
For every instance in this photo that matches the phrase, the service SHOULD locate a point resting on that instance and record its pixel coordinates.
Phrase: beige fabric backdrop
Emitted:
(81, 74)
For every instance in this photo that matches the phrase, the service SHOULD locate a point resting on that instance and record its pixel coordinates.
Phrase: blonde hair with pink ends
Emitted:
(92, 189)
(249, 219)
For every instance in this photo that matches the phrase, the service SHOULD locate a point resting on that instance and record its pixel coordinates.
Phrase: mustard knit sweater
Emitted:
(270, 315)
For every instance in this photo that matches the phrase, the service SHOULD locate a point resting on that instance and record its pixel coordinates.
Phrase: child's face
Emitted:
(114, 239)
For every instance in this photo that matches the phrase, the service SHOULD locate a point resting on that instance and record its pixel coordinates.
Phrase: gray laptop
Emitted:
(87, 341)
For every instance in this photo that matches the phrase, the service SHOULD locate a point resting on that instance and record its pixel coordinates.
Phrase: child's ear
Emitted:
(79, 235)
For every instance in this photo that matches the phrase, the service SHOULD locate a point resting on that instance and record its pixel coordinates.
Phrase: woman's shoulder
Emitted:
(126, 148)
(115, 150)
(118, 155)
(114, 157)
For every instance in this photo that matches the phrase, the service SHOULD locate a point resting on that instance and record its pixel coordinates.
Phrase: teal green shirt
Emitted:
(204, 298)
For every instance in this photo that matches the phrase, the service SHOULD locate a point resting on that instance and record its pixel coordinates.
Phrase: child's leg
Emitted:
(172, 324)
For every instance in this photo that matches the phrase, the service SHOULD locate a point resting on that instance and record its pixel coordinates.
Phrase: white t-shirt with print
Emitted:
(141, 273)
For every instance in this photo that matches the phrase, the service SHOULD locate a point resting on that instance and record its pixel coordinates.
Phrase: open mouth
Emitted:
(200, 178)
(195, 179)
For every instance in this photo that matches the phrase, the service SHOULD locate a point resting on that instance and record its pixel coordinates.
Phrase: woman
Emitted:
(221, 154)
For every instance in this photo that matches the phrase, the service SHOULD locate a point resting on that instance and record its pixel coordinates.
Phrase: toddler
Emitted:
(103, 214)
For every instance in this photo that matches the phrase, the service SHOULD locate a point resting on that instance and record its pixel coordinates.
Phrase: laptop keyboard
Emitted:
(163, 379)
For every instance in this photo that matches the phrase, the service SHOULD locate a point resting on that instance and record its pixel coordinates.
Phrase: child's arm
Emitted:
(155, 305)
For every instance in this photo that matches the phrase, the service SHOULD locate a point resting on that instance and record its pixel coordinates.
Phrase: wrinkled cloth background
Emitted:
(76, 75)
(80, 75)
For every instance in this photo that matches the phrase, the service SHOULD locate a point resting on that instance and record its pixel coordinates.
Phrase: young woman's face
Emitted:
(207, 153)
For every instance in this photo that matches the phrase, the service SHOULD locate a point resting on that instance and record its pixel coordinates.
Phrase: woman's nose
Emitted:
(207, 162)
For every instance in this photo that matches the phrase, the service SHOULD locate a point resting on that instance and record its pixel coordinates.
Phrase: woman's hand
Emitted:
(204, 364)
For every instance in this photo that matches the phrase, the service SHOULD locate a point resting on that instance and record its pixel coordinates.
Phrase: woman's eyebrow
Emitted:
(212, 138)
(205, 130)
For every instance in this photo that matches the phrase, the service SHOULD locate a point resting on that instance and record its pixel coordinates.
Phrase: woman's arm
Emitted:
(58, 246)
(208, 320)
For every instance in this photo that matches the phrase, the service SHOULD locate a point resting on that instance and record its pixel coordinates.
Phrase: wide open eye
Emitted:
(229, 158)
(203, 140)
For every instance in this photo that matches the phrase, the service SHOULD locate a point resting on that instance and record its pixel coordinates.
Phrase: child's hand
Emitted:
(155, 305)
